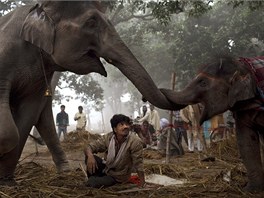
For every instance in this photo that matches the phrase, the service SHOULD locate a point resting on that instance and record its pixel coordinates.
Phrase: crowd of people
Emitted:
(123, 146)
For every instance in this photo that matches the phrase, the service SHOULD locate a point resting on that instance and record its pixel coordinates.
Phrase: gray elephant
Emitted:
(37, 41)
(235, 84)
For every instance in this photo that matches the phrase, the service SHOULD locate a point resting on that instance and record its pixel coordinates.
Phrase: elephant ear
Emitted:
(39, 29)
(242, 88)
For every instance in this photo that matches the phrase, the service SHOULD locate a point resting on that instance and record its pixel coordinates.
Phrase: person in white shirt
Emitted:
(191, 115)
(80, 117)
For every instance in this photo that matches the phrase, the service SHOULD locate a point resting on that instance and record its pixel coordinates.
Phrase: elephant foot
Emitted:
(254, 188)
(7, 181)
(64, 167)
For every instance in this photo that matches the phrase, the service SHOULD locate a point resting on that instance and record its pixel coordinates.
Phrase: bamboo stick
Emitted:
(173, 77)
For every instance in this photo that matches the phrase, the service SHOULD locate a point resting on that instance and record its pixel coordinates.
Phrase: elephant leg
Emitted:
(47, 130)
(259, 121)
(9, 136)
(261, 141)
(249, 147)
(8, 164)
(9, 160)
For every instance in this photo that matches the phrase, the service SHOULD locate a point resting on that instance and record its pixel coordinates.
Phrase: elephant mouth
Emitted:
(93, 60)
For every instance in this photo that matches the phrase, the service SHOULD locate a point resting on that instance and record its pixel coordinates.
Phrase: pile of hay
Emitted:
(223, 177)
(152, 154)
(226, 150)
(77, 140)
(38, 181)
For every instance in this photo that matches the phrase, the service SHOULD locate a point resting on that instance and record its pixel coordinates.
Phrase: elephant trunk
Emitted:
(136, 73)
(181, 98)
(188, 96)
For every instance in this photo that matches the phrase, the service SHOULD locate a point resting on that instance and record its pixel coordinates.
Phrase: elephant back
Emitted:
(256, 66)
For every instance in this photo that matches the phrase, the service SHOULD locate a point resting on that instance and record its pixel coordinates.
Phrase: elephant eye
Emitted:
(203, 83)
(91, 23)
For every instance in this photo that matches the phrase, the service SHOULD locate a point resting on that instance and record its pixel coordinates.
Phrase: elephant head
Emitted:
(221, 85)
(76, 34)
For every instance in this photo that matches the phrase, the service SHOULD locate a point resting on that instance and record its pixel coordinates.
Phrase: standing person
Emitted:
(181, 126)
(144, 110)
(124, 151)
(153, 118)
(62, 121)
(217, 123)
(230, 122)
(191, 115)
(176, 148)
(80, 117)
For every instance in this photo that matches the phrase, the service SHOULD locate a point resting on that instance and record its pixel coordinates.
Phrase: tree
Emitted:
(185, 42)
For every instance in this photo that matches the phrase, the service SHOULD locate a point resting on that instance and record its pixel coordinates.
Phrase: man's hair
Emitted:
(62, 106)
(118, 118)
(80, 107)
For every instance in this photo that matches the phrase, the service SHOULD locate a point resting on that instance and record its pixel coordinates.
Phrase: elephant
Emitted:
(235, 84)
(37, 40)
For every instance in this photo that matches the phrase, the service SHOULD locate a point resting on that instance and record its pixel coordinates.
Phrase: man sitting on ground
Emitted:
(124, 152)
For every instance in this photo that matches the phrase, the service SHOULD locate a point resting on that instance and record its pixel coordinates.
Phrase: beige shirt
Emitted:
(132, 157)
(192, 114)
(153, 118)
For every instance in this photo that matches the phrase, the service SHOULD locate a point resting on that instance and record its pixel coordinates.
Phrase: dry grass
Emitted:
(205, 179)
(76, 141)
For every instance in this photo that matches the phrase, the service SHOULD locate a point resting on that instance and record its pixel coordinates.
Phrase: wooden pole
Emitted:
(173, 77)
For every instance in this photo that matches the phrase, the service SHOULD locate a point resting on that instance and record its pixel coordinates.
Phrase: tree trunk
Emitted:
(54, 81)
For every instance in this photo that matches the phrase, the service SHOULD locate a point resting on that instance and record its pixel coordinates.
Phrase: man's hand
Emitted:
(91, 162)
(77, 118)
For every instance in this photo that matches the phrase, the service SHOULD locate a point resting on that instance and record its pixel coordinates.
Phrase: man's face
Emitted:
(62, 108)
(80, 110)
(145, 125)
(122, 129)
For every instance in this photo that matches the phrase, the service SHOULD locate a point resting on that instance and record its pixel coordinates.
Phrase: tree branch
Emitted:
(119, 8)
(132, 16)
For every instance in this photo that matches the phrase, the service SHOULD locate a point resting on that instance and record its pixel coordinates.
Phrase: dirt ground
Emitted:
(215, 173)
